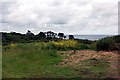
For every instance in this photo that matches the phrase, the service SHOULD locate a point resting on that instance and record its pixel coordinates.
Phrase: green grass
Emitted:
(92, 68)
(30, 60)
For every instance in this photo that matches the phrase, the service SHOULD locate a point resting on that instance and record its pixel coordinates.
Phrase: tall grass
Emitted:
(28, 60)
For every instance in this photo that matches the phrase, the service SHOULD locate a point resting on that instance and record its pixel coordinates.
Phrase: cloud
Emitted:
(68, 16)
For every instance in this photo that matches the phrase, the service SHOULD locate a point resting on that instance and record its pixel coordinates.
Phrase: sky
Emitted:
(67, 16)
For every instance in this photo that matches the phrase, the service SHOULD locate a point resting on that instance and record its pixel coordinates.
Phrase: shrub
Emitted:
(62, 45)
(106, 45)
(40, 45)
(83, 46)
(12, 45)
(92, 46)
(50, 45)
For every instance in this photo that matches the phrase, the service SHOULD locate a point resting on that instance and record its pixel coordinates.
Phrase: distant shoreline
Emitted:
(81, 36)
(89, 37)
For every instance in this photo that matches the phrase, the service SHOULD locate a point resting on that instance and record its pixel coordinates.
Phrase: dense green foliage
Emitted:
(54, 45)
(50, 41)
(116, 38)
(106, 45)
(21, 38)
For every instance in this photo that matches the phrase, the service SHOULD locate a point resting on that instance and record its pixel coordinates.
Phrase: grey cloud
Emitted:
(70, 16)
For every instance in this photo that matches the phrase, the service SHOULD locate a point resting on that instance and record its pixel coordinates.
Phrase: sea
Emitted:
(89, 37)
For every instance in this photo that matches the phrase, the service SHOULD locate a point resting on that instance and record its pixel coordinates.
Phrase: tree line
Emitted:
(108, 43)
(29, 36)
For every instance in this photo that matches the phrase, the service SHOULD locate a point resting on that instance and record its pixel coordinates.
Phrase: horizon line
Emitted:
(59, 32)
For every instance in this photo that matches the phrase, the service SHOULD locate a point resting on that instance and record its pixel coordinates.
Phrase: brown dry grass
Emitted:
(74, 57)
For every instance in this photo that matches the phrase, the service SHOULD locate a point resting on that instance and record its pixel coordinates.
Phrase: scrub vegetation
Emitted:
(61, 58)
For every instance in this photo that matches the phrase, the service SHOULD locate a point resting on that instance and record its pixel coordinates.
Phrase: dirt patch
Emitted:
(76, 56)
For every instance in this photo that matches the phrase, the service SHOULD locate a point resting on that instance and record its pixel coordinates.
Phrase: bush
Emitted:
(50, 45)
(106, 45)
(12, 45)
(62, 45)
(40, 45)
(83, 46)
(92, 46)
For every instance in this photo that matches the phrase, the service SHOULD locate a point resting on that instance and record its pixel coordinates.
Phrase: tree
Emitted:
(29, 33)
(61, 35)
(50, 34)
(41, 35)
(71, 37)
(64, 37)
(11, 37)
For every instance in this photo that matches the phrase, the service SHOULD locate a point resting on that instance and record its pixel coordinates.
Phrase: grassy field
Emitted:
(39, 59)
(28, 61)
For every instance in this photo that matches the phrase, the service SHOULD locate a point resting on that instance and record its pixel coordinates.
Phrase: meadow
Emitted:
(54, 59)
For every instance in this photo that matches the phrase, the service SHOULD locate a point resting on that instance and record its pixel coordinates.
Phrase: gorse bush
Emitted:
(106, 45)
(54, 45)
(69, 45)
(62, 45)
